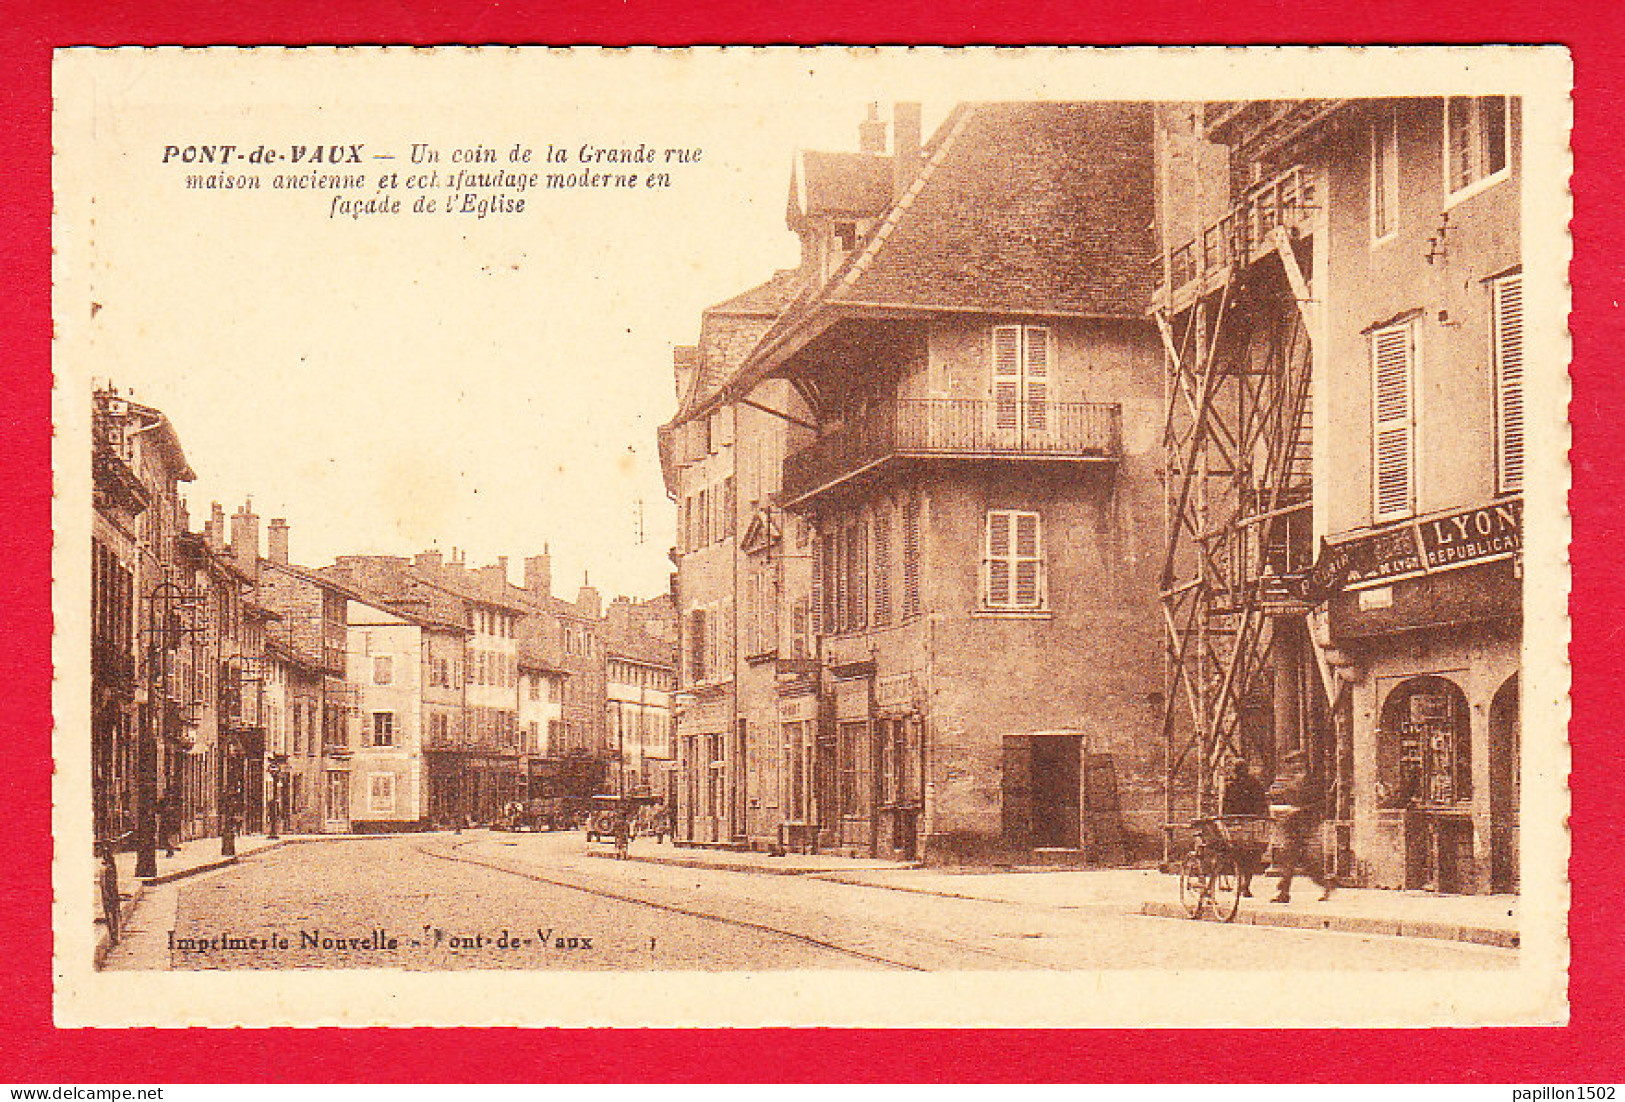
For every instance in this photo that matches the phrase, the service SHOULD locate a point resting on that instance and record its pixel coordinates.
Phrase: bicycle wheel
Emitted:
(1226, 887)
(1193, 888)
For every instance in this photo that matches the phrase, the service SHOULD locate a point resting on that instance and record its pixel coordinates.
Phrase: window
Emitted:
(552, 690)
(730, 508)
(846, 236)
(383, 728)
(1021, 377)
(1012, 561)
(857, 577)
(1393, 421)
(535, 688)
(383, 669)
(1475, 137)
(1508, 340)
(697, 650)
(1384, 174)
(381, 792)
(440, 673)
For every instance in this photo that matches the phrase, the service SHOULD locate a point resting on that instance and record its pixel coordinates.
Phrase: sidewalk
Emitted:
(191, 858)
(1480, 919)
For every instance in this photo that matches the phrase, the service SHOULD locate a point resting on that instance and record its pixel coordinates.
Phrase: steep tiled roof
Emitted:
(1018, 208)
(1027, 208)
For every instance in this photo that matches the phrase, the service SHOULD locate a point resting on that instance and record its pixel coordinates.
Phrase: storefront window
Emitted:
(1424, 746)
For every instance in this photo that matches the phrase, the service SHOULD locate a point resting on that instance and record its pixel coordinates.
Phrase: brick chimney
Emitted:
(428, 561)
(905, 161)
(587, 599)
(276, 541)
(495, 576)
(872, 132)
(245, 538)
(214, 532)
(539, 574)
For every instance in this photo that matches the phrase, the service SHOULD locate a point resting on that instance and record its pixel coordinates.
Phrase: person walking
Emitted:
(1301, 831)
(165, 810)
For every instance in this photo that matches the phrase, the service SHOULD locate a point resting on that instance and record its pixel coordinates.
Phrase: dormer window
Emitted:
(846, 236)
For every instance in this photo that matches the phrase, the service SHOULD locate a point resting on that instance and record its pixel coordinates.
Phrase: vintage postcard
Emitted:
(815, 537)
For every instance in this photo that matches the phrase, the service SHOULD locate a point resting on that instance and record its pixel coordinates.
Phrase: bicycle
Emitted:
(1212, 875)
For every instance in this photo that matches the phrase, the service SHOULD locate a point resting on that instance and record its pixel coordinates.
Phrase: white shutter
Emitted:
(997, 559)
(1028, 561)
(1007, 375)
(1392, 450)
(1509, 383)
(1037, 377)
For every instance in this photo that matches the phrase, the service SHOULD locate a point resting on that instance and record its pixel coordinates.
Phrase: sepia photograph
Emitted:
(868, 537)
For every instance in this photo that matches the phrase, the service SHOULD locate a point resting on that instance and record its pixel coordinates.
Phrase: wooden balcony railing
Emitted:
(955, 427)
(1242, 235)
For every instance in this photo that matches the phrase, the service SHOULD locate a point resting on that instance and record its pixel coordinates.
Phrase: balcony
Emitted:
(1241, 237)
(954, 428)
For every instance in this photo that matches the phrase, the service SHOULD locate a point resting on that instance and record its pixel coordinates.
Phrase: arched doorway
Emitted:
(1506, 756)
(1425, 769)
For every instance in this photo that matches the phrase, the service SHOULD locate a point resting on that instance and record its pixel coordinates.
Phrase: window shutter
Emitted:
(1006, 374)
(1509, 382)
(1028, 561)
(1037, 378)
(911, 557)
(882, 566)
(860, 575)
(816, 609)
(997, 560)
(842, 618)
(1391, 354)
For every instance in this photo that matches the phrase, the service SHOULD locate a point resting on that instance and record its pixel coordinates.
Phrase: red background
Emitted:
(32, 1051)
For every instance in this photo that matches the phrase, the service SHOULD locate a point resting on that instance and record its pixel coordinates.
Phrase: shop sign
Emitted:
(798, 709)
(897, 693)
(1427, 546)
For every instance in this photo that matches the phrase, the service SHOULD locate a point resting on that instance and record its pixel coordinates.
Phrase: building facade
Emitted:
(1385, 234)
(951, 573)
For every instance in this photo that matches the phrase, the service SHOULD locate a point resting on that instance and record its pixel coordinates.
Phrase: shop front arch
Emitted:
(1506, 757)
(1424, 745)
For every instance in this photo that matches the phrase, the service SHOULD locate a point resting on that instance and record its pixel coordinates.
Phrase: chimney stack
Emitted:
(905, 161)
(872, 133)
(495, 576)
(428, 561)
(245, 539)
(539, 574)
(214, 532)
(587, 599)
(276, 541)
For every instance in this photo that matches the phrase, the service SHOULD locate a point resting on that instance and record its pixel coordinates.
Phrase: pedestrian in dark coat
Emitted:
(1244, 796)
(1301, 832)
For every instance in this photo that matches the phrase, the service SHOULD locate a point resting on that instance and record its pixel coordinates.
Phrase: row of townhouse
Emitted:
(471, 690)
(1092, 446)
(238, 691)
(179, 647)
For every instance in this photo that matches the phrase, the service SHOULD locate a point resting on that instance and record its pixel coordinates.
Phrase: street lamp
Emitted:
(165, 603)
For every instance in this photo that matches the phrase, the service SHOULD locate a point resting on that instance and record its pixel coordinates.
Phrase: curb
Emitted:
(1354, 924)
(695, 863)
(127, 906)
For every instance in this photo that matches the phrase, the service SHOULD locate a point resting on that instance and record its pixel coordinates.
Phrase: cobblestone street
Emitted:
(487, 900)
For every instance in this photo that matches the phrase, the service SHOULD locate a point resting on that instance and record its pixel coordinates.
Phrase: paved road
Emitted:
(483, 900)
